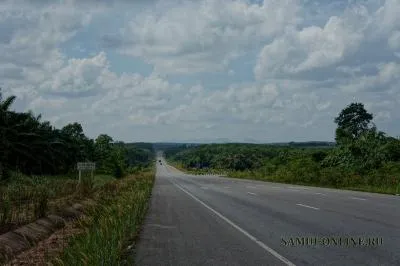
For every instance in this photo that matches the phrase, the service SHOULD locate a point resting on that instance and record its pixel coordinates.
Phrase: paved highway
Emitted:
(211, 220)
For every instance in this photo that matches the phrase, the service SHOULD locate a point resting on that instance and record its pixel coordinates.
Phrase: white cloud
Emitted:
(313, 46)
(394, 40)
(387, 75)
(78, 76)
(311, 61)
(196, 36)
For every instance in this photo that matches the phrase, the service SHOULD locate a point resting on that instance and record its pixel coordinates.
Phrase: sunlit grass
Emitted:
(24, 199)
(123, 205)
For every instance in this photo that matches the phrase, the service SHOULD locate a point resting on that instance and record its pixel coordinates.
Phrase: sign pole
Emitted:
(85, 166)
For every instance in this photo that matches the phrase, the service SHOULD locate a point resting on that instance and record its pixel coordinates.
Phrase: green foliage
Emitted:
(352, 122)
(5, 210)
(35, 147)
(118, 171)
(112, 225)
(41, 204)
(363, 158)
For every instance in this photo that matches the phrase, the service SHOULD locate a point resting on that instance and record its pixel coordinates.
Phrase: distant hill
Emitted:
(174, 145)
(140, 145)
(305, 144)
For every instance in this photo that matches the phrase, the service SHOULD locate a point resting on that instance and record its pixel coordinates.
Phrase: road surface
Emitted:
(211, 220)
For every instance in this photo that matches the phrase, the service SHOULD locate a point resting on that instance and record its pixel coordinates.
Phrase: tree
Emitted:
(4, 142)
(352, 122)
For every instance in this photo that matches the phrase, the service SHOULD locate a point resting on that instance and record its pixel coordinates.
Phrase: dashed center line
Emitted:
(356, 198)
(227, 187)
(318, 193)
(251, 193)
(293, 189)
(248, 235)
(251, 187)
(307, 206)
(204, 187)
(305, 188)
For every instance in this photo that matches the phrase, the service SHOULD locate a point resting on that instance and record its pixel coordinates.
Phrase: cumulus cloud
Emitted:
(314, 47)
(307, 60)
(78, 76)
(197, 36)
(387, 76)
(362, 32)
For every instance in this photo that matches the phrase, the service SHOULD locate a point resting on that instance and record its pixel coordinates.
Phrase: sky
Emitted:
(177, 71)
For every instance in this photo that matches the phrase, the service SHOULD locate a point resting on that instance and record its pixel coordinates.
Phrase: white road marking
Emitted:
(204, 187)
(318, 193)
(306, 206)
(275, 187)
(227, 187)
(251, 187)
(296, 188)
(293, 189)
(251, 193)
(244, 232)
(162, 226)
(356, 198)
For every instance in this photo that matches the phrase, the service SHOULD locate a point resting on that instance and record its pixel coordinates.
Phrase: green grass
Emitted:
(26, 198)
(378, 188)
(102, 179)
(113, 225)
(330, 178)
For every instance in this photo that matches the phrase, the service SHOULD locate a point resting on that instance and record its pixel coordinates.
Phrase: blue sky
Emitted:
(272, 70)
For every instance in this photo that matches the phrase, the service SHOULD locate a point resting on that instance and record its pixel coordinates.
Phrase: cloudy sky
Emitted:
(268, 71)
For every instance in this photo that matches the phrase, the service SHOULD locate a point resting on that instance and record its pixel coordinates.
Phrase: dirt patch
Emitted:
(25, 237)
(49, 248)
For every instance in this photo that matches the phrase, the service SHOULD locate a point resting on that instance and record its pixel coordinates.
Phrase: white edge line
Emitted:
(306, 206)
(357, 198)
(298, 187)
(251, 237)
(251, 193)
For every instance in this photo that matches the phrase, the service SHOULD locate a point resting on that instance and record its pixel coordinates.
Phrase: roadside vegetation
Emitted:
(38, 175)
(113, 226)
(363, 158)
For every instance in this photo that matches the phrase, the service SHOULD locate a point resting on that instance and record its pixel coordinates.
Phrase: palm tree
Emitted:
(4, 143)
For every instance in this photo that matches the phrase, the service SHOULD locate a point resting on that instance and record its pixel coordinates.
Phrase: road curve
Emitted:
(211, 220)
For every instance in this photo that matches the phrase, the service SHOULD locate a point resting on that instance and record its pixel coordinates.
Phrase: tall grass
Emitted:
(24, 199)
(382, 181)
(123, 206)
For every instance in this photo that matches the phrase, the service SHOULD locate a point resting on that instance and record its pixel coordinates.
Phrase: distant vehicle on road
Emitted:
(159, 161)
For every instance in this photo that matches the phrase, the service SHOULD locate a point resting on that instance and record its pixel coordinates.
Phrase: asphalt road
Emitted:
(211, 220)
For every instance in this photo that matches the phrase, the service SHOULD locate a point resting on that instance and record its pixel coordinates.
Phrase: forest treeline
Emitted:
(362, 158)
(32, 146)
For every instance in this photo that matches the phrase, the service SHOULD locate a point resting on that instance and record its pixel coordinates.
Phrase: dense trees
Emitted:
(353, 121)
(33, 146)
(362, 156)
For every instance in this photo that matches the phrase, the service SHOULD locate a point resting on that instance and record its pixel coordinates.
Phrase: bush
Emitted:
(112, 225)
(118, 173)
(41, 203)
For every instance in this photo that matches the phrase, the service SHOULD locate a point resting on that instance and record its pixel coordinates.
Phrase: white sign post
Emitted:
(86, 166)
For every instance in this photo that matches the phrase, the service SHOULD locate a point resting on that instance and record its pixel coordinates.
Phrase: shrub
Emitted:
(41, 202)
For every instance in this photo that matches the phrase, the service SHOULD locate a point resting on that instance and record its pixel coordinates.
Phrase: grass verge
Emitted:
(382, 189)
(287, 177)
(25, 199)
(111, 226)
